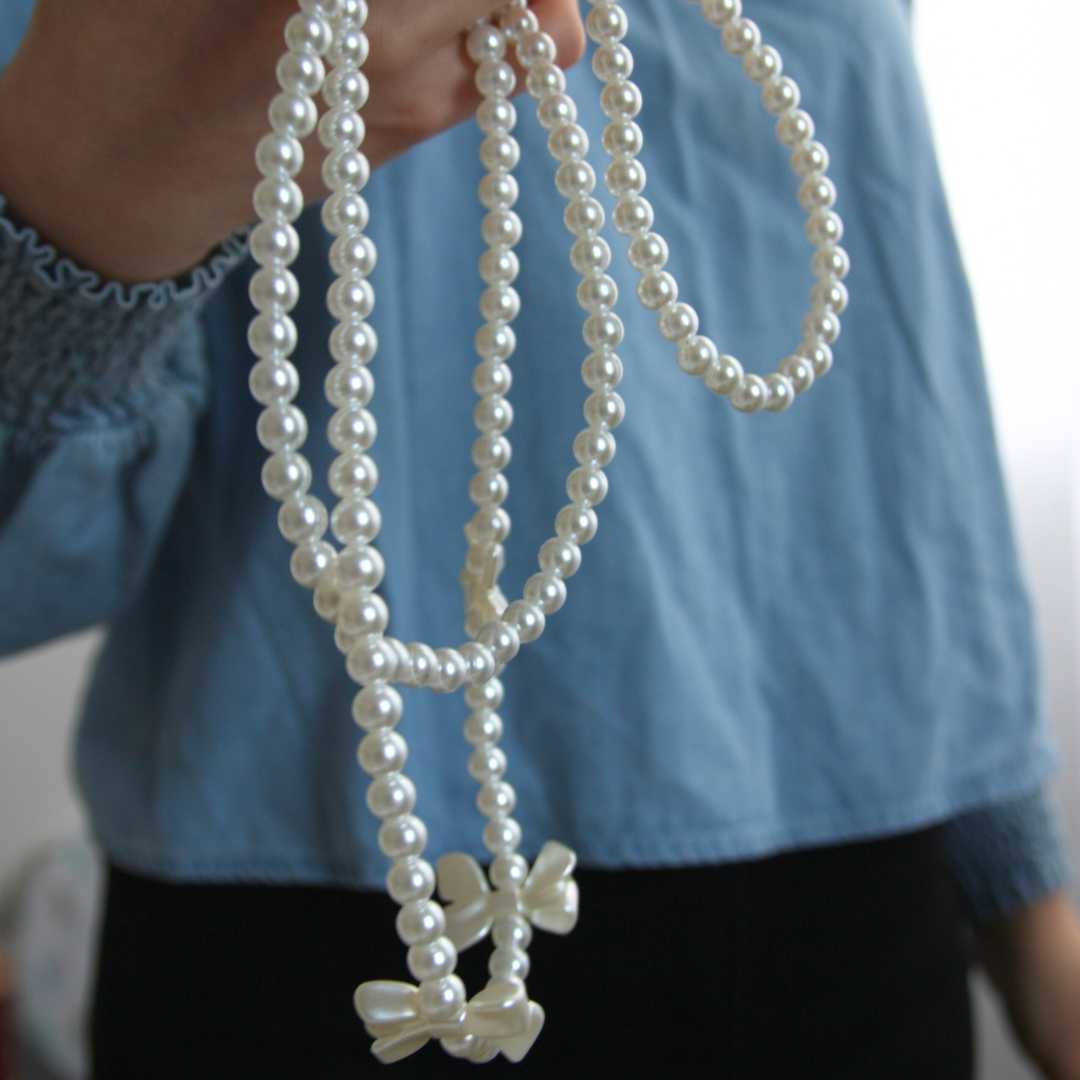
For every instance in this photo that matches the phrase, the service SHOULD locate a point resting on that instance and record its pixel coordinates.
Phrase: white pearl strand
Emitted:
(344, 581)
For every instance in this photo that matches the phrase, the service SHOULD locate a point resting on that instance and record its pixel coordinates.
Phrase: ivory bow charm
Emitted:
(499, 1019)
(484, 599)
(548, 898)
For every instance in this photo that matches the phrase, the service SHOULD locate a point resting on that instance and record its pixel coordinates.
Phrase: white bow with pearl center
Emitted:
(500, 1018)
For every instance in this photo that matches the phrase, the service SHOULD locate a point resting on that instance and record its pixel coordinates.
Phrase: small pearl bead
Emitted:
(402, 836)
(495, 797)
(518, 21)
(779, 94)
(273, 379)
(721, 12)
(500, 303)
(500, 153)
(604, 408)
(678, 322)
(657, 290)
(625, 178)
(587, 485)
(410, 878)
(545, 78)
(601, 370)
(603, 331)
(491, 377)
(422, 662)
(370, 661)
(346, 169)
(620, 101)
(821, 326)
(498, 191)
(547, 591)
(274, 244)
(829, 294)
(508, 872)
(281, 427)
(278, 198)
(353, 343)
(488, 487)
(361, 612)
(584, 217)
(819, 354)
(493, 414)
(348, 387)
(508, 964)
(436, 960)
(511, 931)
(491, 452)
(696, 354)
(273, 287)
(420, 921)
(350, 298)
(809, 157)
(308, 34)
(560, 557)
(750, 395)
(830, 261)
(568, 143)
(349, 48)
(590, 254)
(502, 639)
(794, 126)
(594, 447)
(272, 334)
(816, 192)
(527, 619)
(302, 518)
(574, 523)
(555, 110)
(740, 36)
(479, 663)
(494, 341)
(448, 674)
(495, 78)
(485, 42)
(501, 228)
(483, 728)
(279, 155)
(824, 227)
(391, 795)
(612, 63)
(353, 473)
(442, 999)
(575, 179)
(347, 88)
(499, 267)
(501, 836)
(376, 707)
(350, 429)
(597, 294)
(800, 371)
(326, 597)
(285, 474)
(632, 217)
(606, 24)
(299, 73)
(381, 752)
(622, 139)
(308, 562)
(781, 392)
(487, 763)
(762, 63)
(723, 375)
(534, 47)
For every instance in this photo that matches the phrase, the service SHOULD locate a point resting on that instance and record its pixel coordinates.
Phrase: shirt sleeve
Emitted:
(1008, 855)
(101, 389)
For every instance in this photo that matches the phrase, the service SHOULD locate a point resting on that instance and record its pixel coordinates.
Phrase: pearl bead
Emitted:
(781, 392)
(518, 21)
(308, 34)
(612, 63)
(819, 354)
(696, 354)
(382, 751)
(597, 294)
(274, 244)
(273, 379)
(831, 294)
(577, 524)
(800, 371)
(349, 49)
(346, 88)
(604, 408)
(821, 326)
(488, 696)
(555, 110)
(762, 63)
(740, 36)
(677, 322)
(402, 836)
(346, 169)
(422, 662)
(723, 375)
(493, 413)
(326, 597)
(508, 872)
(657, 290)
(750, 395)
(485, 42)
(348, 387)
(353, 473)
(604, 331)
(391, 795)
(648, 252)
(496, 116)
(721, 12)
(361, 612)
(590, 255)
(483, 728)
(308, 562)
(622, 139)
(545, 78)
(410, 878)
(816, 192)
(479, 663)
(501, 228)
(302, 518)
(794, 127)
(499, 267)
(559, 557)
(506, 964)
(606, 24)
(293, 114)
(272, 334)
(495, 797)
(355, 520)
(492, 377)
(568, 143)
(486, 763)
(500, 153)
(372, 660)
(495, 78)
(620, 101)
(442, 999)
(489, 525)
(547, 591)
(488, 487)
(824, 227)
(535, 46)
(341, 127)
(502, 639)
(780, 94)
(527, 619)
(491, 452)
(625, 178)
(601, 370)
(299, 73)
(511, 931)
(830, 261)
(281, 427)
(809, 157)
(352, 428)
(584, 217)
(632, 217)
(278, 199)
(273, 288)
(279, 155)
(494, 341)
(594, 446)
(498, 191)
(448, 673)
(435, 960)
(587, 485)
(353, 343)
(421, 921)
(575, 179)
(350, 298)
(501, 836)
(285, 474)
(376, 707)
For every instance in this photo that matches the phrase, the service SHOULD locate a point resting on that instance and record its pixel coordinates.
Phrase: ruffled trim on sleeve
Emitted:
(76, 351)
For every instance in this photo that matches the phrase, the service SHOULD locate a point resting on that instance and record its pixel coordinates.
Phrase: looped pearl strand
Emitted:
(500, 1019)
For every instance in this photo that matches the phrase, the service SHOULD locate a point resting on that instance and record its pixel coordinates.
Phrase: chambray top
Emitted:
(789, 630)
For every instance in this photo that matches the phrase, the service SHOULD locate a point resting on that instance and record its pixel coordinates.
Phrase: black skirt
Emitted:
(840, 962)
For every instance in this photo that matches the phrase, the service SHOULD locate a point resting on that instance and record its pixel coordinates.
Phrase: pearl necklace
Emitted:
(511, 898)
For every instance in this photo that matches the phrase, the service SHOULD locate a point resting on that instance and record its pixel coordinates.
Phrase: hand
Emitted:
(1033, 957)
(127, 127)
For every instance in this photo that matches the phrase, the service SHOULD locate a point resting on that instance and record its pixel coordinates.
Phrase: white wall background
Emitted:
(1001, 95)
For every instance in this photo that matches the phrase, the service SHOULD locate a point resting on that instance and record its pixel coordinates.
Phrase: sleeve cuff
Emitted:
(76, 351)
(1008, 855)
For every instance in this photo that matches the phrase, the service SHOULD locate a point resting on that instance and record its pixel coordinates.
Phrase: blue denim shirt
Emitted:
(790, 630)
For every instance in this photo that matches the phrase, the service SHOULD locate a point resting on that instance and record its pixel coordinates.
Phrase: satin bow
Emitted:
(548, 898)
(499, 1019)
